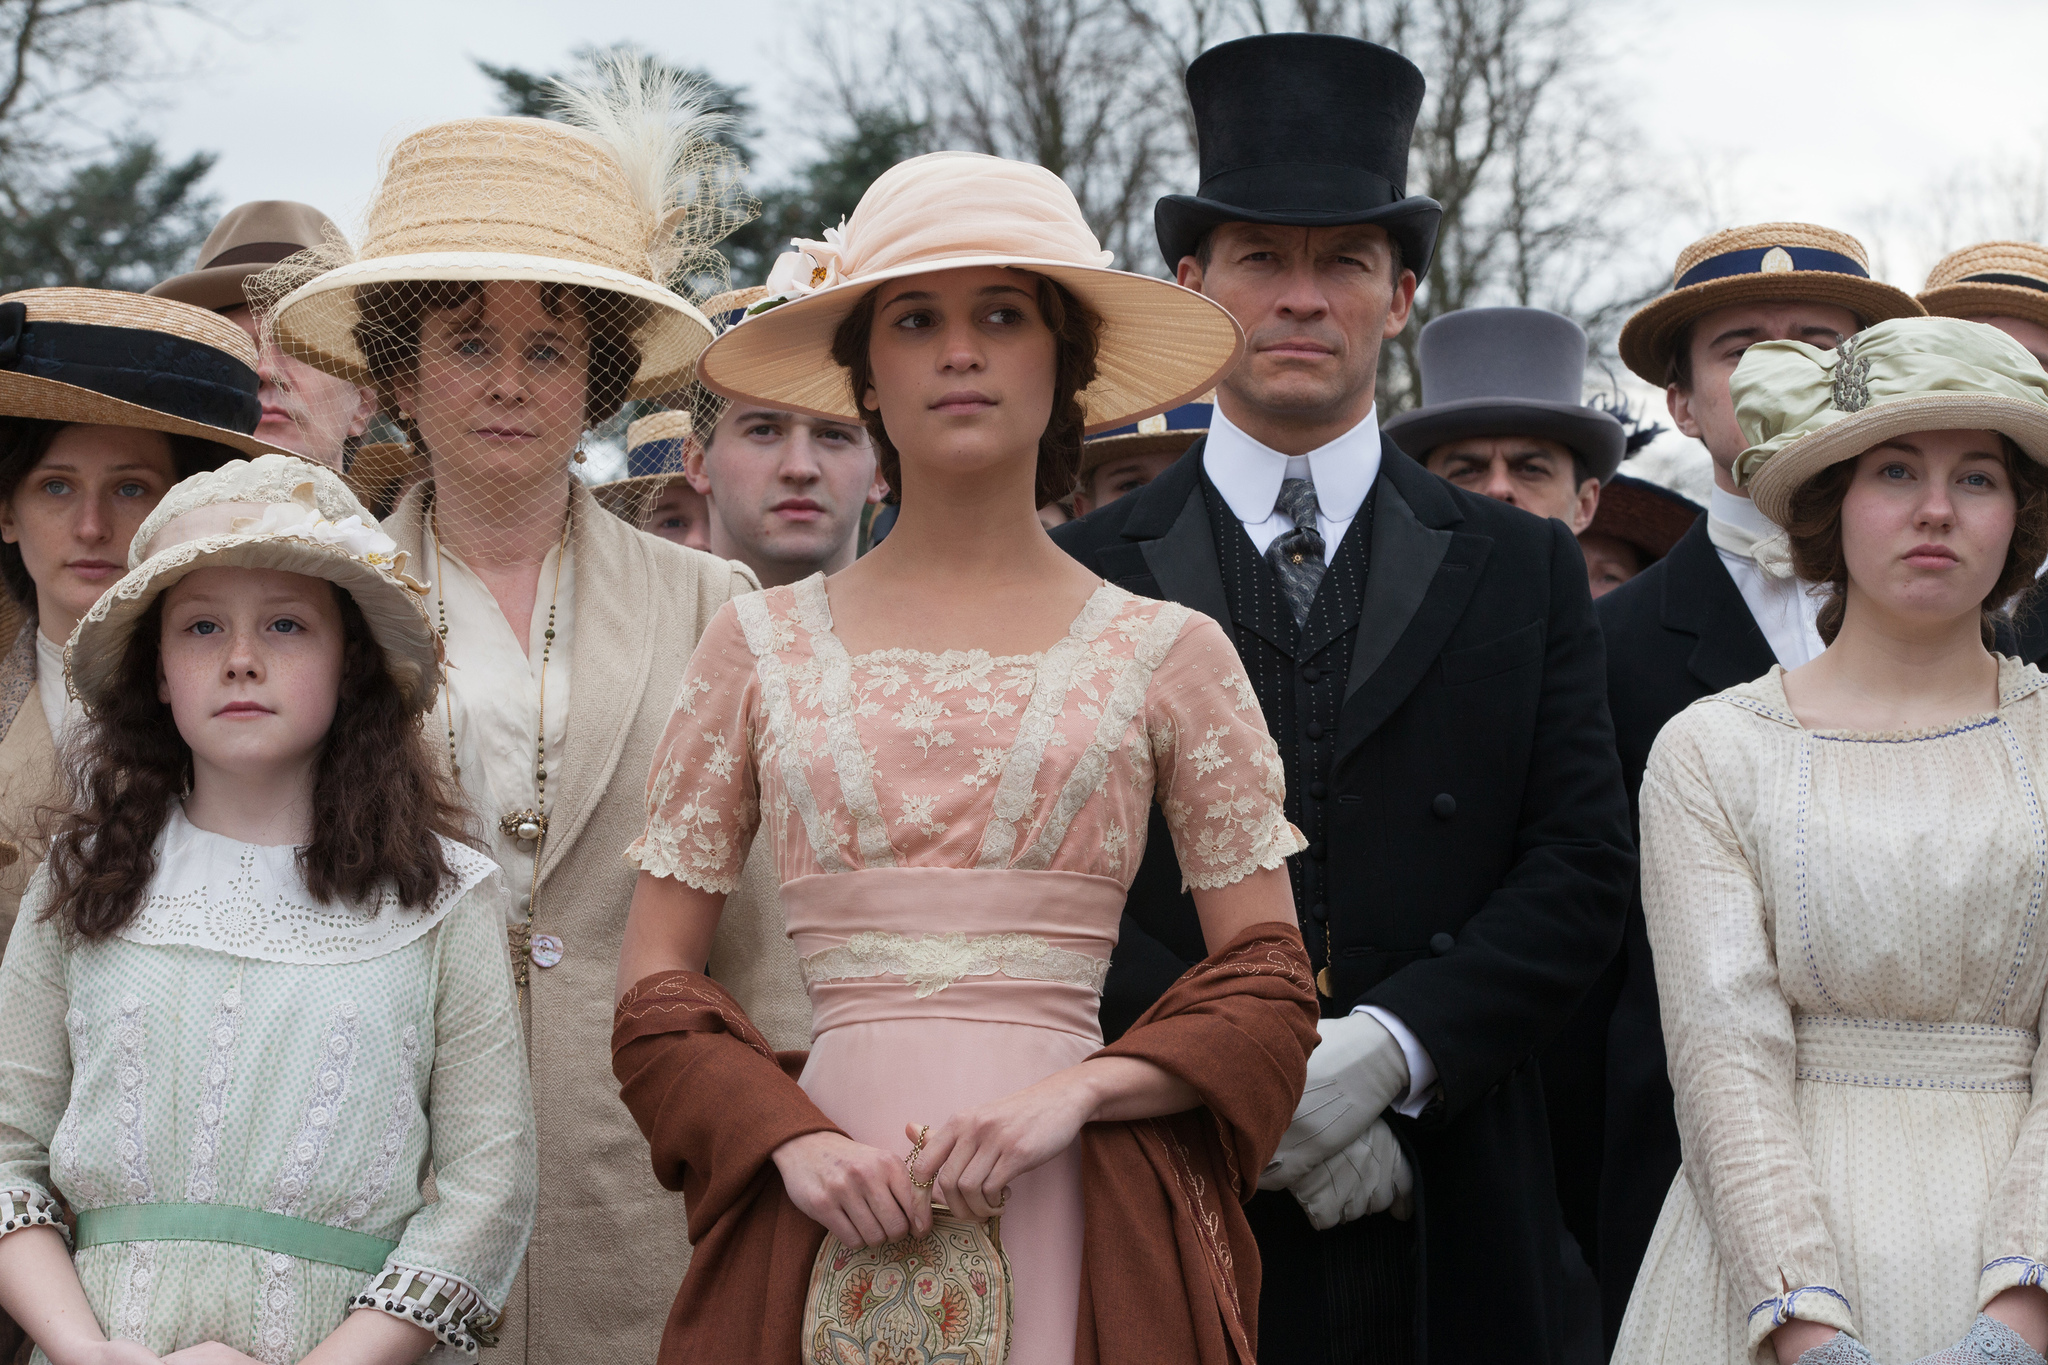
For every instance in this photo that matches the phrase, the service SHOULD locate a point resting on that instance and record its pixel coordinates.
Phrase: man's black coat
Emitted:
(1479, 853)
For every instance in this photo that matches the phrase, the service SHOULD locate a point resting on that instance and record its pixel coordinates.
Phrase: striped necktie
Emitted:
(1297, 555)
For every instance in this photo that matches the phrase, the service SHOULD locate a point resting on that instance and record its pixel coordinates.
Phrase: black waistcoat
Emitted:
(1298, 673)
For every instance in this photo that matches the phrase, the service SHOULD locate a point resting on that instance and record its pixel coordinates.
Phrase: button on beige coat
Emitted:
(610, 1245)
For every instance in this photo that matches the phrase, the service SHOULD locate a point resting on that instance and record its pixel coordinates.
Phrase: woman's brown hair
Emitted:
(1077, 341)
(1815, 532)
(380, 803)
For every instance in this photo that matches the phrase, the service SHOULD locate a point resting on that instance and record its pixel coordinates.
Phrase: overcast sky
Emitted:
(1865, 118)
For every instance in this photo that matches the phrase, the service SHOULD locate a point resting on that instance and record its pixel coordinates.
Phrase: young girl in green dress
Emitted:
(260, 982)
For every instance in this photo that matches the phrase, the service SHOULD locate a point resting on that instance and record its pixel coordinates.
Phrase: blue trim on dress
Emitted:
(1783, 1305)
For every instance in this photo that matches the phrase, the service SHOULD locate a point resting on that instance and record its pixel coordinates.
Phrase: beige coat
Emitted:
(28, 773)
(610, 1248)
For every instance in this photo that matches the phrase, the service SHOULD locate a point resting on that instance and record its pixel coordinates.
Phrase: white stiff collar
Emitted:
(1248, 474)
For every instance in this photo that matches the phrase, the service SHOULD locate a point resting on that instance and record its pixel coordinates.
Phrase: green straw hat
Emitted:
(1803, 409)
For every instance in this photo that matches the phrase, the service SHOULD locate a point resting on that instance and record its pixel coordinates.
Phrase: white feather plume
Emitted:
(660, 126)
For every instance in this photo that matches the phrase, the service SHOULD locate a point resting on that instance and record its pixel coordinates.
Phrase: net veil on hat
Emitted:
(1161, 344)
(274, 512)
(1803, 409)
(627, 197)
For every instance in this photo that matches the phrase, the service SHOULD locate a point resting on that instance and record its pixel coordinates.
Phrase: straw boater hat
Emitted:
(1991, 279)
(1755, 265)
(654, 459)
(1508, 372)
(1161, 344)
(528, 199)
(1803, 409)
(1165, 433)
(107, 358)
(274, 512)
(247, 241)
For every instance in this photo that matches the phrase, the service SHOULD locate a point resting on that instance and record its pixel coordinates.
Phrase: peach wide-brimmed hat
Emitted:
(1990, 279)
(1161, 344)
(1757, 264)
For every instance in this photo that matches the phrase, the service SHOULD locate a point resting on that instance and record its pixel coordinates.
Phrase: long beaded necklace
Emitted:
(529, 826)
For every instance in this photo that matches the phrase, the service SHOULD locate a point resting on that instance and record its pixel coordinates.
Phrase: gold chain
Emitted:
(518, 936)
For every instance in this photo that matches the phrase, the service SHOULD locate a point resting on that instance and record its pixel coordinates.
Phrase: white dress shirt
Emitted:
(1785, 608)
(1248, 475)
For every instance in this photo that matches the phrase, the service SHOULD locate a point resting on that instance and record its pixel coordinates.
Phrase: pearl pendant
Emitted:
(527, 832)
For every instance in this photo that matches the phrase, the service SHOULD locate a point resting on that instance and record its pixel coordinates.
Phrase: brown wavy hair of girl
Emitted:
(1077, 337)
(1814, 529)
(380, 803)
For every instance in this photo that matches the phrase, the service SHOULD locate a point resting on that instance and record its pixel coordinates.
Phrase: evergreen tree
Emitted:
(122, 223)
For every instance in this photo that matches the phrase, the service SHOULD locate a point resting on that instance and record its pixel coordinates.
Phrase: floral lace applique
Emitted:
(929, 963)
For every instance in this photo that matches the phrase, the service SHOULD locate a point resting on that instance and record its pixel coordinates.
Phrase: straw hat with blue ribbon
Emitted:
(1990, 279)
(1803, 409)
(1759, 264)
(1163, 433)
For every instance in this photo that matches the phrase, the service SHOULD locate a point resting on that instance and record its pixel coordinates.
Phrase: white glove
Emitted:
(1356, 1071)
(1370, 1176)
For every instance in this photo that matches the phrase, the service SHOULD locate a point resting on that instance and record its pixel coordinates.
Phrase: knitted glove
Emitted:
(1839, 1349)
(1990, 1342)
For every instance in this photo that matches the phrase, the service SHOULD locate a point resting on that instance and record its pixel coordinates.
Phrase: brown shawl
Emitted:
(1165, 1224)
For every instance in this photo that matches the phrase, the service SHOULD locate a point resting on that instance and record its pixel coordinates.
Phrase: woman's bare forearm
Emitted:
(368, 1337)
(668, 929)
(39, 1288)
(1125, 1088)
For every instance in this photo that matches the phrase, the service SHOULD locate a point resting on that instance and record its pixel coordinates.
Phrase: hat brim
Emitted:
(1773, 486)
(1596, 437)
(1162, 345)
(213, 289)
(397, 618)
(52, 400)
(1182, 220)
(1977, 299)
(1136, 445)
(621, 497)
(1644, 515)
(316, 321)
(1648, 337)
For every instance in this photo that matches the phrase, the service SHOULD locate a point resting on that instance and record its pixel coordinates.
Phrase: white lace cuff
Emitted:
(452, 1310)
(660, 858)
(1278, 841)
(25, 1208)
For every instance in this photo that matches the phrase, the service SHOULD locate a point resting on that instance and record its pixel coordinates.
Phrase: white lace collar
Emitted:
(249, 900)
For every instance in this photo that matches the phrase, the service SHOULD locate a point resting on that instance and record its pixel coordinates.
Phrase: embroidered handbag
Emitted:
(939, 1299)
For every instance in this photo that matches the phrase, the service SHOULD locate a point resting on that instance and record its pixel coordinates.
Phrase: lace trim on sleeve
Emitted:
(25, 1208)
(448, 1307)
(1272, 846)
(657, 861)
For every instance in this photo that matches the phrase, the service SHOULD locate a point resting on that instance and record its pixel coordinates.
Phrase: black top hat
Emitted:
(1508, 372)
(1303, 130)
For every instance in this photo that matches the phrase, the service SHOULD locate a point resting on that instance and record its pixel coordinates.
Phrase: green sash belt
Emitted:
(309, 1241)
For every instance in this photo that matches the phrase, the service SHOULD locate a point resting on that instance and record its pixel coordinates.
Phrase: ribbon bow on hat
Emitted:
(1803, 408)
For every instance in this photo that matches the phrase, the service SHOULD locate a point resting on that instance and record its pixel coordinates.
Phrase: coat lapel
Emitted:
(1701, 600)
(1169, 529)
(611, 658)
(1421, 575)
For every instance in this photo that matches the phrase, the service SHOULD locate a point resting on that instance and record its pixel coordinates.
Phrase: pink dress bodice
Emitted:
(954, 835)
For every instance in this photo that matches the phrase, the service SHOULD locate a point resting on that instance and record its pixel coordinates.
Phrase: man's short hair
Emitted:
(1204, 247)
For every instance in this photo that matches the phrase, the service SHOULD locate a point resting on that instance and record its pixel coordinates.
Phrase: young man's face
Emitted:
(1528, 472)
(784, 491)
(1705, 411)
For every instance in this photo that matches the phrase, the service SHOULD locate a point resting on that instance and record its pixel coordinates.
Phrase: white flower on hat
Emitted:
(300, 518)
(810, 267)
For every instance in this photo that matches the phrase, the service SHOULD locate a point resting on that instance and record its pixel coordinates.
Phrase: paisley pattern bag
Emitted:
(939, 1299)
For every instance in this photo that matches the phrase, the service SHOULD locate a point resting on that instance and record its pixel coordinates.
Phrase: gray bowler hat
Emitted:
(1508, 372)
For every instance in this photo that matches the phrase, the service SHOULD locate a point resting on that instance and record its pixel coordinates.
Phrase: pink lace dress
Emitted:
(955, 834)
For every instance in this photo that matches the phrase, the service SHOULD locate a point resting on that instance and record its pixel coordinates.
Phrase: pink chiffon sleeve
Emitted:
(1218, 774)
(703, 793)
